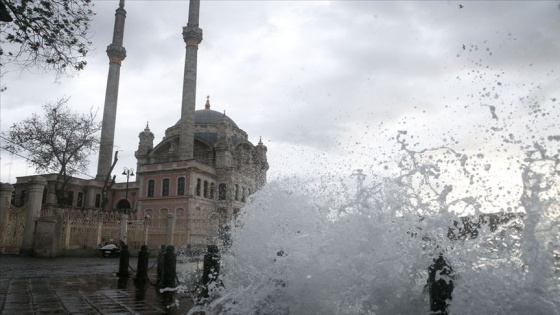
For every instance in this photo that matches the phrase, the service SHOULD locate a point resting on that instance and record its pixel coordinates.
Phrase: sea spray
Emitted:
(319, 246)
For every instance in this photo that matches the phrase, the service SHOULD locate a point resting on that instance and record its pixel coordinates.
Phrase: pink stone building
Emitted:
(202, 171)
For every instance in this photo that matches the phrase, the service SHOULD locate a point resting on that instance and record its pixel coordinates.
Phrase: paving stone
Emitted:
(75, 286)
(17, 312)
(51, 312)
(18, 307)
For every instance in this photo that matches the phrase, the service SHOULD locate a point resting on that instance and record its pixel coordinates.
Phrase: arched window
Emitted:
(97, 200)
(70, 198)
(165, 187)
(181, 186)
(80, 200)
(205, 189)
(212, 190)
(151, 187)
(198, 186)
(236, 192)
(243, 194)
(222, 191)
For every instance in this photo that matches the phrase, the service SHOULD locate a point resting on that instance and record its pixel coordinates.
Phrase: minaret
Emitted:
(116, 53)
(192, 35)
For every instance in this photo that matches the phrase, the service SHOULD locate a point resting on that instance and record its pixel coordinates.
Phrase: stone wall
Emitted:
(51, 232)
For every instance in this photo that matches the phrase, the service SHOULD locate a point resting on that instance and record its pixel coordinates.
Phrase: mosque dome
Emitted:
(208, 116)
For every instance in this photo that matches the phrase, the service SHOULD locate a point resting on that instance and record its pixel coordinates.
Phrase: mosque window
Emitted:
(70, 198)
(236, 192)
(222, 191)
(243, 194)
(165, 187)
(205, 189)
(97, 200)
(80, 200)
(151, 187)
(181, 186)
(198, 186)
(212, 190)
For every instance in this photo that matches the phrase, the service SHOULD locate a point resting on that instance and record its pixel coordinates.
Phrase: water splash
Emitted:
(320, 247)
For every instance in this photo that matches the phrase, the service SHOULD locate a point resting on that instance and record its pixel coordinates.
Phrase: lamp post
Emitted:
(128, 172)
(360, 176)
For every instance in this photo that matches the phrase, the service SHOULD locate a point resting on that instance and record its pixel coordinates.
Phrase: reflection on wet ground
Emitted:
(82, 285)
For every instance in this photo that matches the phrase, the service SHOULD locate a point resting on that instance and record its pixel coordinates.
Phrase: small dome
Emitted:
(209, 117)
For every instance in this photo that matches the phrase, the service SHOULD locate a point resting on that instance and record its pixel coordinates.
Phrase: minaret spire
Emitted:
(116, 54)
(192, 35)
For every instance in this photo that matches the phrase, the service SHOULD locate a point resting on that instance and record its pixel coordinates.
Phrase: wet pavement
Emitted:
(31, 285)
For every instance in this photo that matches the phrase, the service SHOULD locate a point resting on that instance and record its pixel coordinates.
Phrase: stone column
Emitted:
(170, 228)
(146, 227)
(99, 232)
(36, 187)
(5, 203)
(48, 232)
(67, 235)
(51, 195)
(123, 231)
(192, 35)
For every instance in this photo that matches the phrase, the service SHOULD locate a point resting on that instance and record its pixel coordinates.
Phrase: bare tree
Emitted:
(57, 141)
(52, 35)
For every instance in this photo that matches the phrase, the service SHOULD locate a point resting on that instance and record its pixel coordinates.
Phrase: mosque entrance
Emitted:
(123, 204)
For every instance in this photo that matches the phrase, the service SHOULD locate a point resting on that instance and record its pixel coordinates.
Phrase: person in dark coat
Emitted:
(440, 285)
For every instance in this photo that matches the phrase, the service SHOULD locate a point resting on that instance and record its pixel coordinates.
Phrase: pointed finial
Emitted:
(121, 4)
(147, 127)
(260, 140)
(207, 105)
(224, 113)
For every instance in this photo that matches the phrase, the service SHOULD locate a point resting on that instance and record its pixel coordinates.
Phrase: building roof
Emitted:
(209, 117)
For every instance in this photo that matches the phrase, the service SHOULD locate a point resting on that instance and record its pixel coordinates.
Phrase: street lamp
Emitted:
(360, 176)
(128, 172)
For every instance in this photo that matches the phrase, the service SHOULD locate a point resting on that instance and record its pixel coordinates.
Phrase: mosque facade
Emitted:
(203, 170)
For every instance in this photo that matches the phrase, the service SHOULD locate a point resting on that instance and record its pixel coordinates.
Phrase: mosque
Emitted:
(203, 170)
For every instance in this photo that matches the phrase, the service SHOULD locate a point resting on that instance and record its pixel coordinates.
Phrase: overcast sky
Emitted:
(326, 84)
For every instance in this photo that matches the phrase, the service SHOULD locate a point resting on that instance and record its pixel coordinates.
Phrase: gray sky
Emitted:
(326, 84)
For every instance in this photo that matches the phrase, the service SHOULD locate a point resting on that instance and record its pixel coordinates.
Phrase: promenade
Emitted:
(30, 285)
